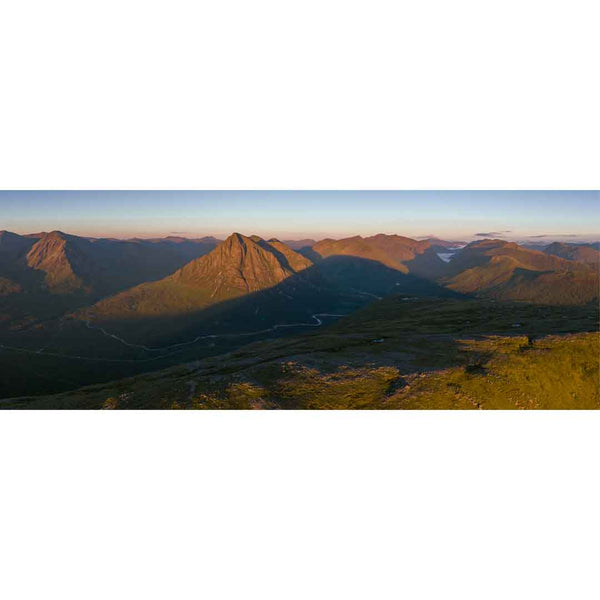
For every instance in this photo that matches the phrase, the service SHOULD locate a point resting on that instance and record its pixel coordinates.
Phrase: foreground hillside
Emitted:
(396, 354)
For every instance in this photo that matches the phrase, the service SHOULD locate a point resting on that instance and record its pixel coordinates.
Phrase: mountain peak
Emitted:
(251, 262)
(60, 260)
(56, 234)
(437, 242)
(236, 238)
(236, 267)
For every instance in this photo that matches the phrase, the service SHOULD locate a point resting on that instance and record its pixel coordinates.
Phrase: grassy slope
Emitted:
(396, 354)
(556, 372)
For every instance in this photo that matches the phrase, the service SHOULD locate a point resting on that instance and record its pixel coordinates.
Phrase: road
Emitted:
(314, 317)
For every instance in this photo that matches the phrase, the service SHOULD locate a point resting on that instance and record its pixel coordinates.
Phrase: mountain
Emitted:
(66, 267)
(354, 246)
(584, 253)
(128, 263)
(176, 239)
(418, 257)
(299, 244)
(396, 252)
(44, 275)
(68, 264)
(182, 244)
(13, 249)
(239, 266)
(533, 245)
(379, 264)
(440, 245)
(271, 278)
(506, 271)
(12, 244)
(252, 290)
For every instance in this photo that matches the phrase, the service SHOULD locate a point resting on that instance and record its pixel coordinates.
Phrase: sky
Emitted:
(455, 215)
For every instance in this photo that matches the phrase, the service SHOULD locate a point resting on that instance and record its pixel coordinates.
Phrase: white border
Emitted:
(299, 505)
(319, 94)
(299, 95)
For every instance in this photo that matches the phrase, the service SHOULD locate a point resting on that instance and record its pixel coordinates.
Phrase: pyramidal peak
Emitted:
(238, 266)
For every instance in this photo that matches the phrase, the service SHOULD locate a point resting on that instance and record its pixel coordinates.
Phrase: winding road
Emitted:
(165, 349)
(314, 317)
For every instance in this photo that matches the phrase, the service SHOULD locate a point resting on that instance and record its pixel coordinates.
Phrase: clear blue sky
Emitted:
(455, 215)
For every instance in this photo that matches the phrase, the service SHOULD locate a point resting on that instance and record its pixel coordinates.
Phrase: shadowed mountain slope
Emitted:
(13, 250)
(13, 245)
(396, 252)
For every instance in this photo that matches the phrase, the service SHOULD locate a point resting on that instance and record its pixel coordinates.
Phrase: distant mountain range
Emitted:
(127, 281)
(507, 271)
(586, 253)
(299, 244)
(444, 245)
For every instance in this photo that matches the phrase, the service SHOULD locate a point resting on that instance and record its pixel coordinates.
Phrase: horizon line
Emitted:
(539, 239)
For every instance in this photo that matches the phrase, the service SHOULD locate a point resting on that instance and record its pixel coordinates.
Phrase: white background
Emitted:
(299, 95)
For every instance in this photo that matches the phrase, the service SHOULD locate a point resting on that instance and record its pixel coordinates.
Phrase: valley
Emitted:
(336, 309)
